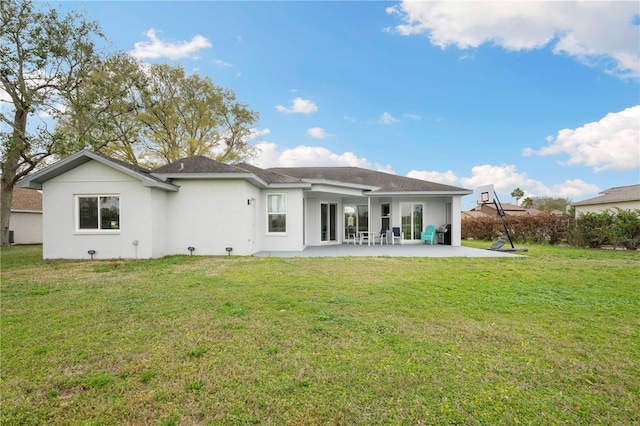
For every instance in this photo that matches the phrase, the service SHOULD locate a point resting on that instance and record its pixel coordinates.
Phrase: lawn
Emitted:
(550, 338)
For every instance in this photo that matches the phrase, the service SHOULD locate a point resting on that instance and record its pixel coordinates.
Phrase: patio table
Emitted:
(366, 235)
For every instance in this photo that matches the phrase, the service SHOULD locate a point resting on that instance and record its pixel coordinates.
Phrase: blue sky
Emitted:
(543, 96)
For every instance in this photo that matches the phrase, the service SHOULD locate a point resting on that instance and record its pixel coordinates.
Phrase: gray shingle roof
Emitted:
(614, 195)
(268, 176)
(384, 182)
(198, 164)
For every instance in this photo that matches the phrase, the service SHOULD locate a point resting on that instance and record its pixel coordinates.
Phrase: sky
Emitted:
(539, 95)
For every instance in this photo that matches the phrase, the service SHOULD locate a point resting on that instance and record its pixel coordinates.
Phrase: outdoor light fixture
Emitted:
(229, 250)
(91, 252)
(191, 249)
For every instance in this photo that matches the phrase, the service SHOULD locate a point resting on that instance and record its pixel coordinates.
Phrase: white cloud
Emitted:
(506, 178)
(156, 48)
(317, 133)
(387, 118)
(221, 63)
(413, 116)
(569, 27)
(299, 105)
(613, 143)
(269, 155)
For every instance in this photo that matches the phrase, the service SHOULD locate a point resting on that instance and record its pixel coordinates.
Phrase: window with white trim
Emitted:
(98, 212)
(277, 213)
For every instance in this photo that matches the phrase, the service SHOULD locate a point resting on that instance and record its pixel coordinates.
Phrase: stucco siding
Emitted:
(291, 240)
(210, 215)
(61, 239)
(599, 208)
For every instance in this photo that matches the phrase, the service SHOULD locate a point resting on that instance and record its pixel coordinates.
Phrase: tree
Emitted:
(517, 194)
(43, 59)
(188, 115)
(527, 203)
(549, 204)
(102, 113)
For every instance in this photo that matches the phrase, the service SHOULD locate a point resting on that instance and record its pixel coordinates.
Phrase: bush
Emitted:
(544, 227)
(619, 229)
(626, 229)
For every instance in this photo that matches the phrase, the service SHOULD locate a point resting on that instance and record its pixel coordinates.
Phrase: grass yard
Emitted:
(550, 338)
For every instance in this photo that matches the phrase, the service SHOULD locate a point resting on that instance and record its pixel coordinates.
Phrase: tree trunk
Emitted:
(9, 170)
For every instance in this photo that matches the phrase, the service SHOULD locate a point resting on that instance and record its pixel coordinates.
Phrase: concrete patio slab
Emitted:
(399, 250)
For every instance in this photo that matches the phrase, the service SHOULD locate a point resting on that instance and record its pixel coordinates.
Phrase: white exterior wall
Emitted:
(210, 215)
(61, 239)
(26, 227)
(599, 208)
(456, 220)
(313, 220)
(292, 240)
(159, 224)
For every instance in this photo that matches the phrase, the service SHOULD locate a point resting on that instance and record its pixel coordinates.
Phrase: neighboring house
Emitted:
(93, 202)
(25, 222)
(623, 197)
(489, 209)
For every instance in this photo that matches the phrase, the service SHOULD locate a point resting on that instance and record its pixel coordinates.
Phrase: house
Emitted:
(25, 223)
(489, 209)
(197, 205)
(623, 197)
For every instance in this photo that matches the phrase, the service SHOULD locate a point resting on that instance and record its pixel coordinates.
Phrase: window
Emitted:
(98, 212)
(277, 213)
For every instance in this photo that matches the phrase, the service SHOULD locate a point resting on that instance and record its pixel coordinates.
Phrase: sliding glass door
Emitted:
(328, 221)
(356, 217)
(412, 220)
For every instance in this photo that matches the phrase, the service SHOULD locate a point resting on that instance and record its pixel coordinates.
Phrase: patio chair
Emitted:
(396, 234)
(352, 236)
(382, 237)
(429, 234)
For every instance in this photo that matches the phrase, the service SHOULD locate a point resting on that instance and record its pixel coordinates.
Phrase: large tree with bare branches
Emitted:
(44, 57)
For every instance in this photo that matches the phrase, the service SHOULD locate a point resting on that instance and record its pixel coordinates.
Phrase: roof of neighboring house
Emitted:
(473, 214)
(377, 181)
(614, 195)
(505, 206)
(26, 200)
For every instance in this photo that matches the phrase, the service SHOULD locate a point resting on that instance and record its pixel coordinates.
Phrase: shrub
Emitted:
(619, 229)
(544, 227)
(626, 229)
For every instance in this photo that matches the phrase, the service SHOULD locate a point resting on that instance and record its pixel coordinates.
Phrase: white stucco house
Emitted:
(620, 197)
(95, 203)
(25, 222)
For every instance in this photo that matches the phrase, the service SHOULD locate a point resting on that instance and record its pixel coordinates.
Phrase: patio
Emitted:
(398, 250)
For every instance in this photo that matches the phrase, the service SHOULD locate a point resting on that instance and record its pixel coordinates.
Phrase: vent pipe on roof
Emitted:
(181, 166)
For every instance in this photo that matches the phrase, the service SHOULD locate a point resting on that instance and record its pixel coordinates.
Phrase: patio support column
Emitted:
(456, 220)
(369, 220)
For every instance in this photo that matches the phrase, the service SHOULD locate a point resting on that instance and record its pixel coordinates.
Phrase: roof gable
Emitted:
(35, 180)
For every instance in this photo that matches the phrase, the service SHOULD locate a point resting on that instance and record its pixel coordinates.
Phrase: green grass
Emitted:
(550, 338)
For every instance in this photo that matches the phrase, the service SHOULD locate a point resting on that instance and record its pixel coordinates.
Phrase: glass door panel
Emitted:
(411, 220)
(417, 221)
(363, 218)
(328, 220)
